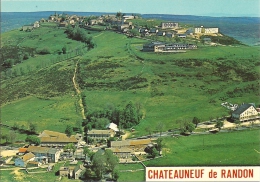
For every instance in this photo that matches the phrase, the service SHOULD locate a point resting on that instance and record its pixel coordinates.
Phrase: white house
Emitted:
(244, 112)
(112, 126)
(36, 24)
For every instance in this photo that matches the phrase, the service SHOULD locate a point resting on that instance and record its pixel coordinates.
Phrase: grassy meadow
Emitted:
(169, 87)
(238, 148)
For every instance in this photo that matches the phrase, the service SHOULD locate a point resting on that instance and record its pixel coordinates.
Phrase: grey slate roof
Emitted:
(242, 108)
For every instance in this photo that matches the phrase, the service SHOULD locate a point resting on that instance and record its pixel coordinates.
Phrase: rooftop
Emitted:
(242, 108)
(28, 156)
(99, 132)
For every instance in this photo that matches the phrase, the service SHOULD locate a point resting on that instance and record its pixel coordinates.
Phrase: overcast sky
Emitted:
(177, 7)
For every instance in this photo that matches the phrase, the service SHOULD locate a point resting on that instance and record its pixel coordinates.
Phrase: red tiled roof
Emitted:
(22, 150)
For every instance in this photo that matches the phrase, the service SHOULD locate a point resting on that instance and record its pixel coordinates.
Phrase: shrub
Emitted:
(43, 51)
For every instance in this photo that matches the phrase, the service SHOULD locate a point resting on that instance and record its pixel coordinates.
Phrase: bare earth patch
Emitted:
(7, 153)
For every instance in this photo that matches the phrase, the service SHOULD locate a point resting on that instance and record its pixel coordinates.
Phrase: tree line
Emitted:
(79, 34)
(126, 117)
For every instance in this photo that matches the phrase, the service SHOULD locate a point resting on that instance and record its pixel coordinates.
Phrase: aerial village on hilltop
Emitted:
(50, 147)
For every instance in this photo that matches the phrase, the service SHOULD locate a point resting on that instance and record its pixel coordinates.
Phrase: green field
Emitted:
(239, 148)
(169, 87)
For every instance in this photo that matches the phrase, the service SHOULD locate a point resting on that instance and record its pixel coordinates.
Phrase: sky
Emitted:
(219, 8)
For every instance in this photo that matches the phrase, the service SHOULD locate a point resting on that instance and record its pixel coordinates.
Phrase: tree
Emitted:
(130, 115)
(219, 124)
(12, 136)
(187, 126)
(86, 151)
(101, 123)
(26, 56)
(238, 123)
(119, 15)
(154, 153)
(177, 38)
(64, 49)
(71, 147)
(5, 137)
(32, 127)
(99, 164)
(160, 127)
(149, 130)
(115, 174)
(160, 144)
(196, 121)
(68, 130)
(111, 160)
(134, 32)
(33, 140)
(15, 126)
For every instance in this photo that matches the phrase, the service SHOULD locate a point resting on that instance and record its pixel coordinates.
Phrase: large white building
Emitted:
(206, 30)
(169, 25)
(245, 112)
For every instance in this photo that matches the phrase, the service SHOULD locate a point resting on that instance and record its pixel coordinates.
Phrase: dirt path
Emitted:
(76, 86)
(125, 135)
(18, 175)
(7, 153)
(229, 124)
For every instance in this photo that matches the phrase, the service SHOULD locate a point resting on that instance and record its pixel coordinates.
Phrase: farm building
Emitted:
(162, 47)
(101, 134)
(52, 138)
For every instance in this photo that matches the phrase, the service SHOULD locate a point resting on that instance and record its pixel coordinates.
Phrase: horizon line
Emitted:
(217, 16)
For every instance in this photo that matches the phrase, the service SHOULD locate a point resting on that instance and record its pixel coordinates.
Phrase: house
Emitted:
(64, 171)
(113, 127)
(33, 164)
(182, 35)
(101, 134)
(77, 171)
(244, 112)
(57, 139)
(165, 25)
(45, 154)
(134, 145)
(150, 47)
(22, 151)
(162, 47)
(71, 171)
(160, 33)
(153, 30)
(206, 30)
(63, 24)
(121, 152)
(125, 25)
(169, 34)
(143, 30)
(27, 28)
(36, 24)
(22, 161)
(128, 17)
(42, 20)
(207, 40)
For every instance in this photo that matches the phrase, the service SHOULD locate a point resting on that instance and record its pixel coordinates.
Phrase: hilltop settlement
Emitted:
(105, 139)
